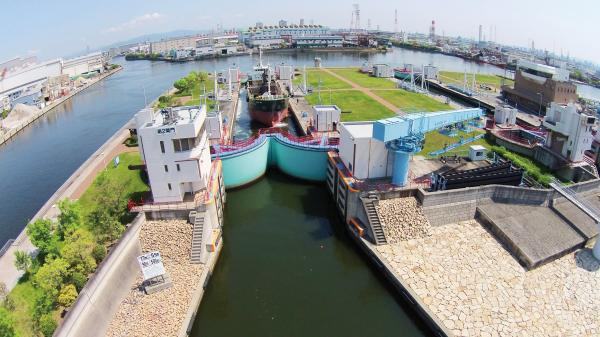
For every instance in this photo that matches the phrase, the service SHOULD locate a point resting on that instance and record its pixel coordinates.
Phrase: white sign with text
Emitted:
(151, 264)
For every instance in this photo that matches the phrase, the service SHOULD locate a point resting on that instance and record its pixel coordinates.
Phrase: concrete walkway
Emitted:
(366, 91)
(73, 188)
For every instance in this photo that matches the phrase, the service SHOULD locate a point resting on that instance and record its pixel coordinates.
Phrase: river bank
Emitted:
(72, 188)
(23, 124)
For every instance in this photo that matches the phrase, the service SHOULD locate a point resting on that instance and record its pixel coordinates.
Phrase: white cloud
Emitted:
(135, 22)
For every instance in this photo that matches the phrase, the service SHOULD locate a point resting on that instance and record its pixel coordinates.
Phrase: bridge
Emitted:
(404, 135)
(300, 157)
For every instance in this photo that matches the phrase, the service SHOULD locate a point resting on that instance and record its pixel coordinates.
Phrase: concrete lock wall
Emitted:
(303, 162)
(100, 298)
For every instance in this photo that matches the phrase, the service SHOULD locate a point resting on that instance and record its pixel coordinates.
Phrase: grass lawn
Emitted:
(411, 101)
(357, 105)
(24, 296)
(364, 80)
(130, 178)
(436, 141)
(458, 78)
(327, 81)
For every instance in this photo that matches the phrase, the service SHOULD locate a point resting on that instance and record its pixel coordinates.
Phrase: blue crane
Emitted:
(404, 135)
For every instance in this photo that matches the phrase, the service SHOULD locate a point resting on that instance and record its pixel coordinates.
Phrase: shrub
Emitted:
(533, 170)
(67, 296)
(51, 276)
(99, 253)
(79, 280)
(77, 251)
(47, 325)
(22, 260)
(6, 324)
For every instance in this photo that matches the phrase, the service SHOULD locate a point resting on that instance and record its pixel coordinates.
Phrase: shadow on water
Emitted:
(288, 268)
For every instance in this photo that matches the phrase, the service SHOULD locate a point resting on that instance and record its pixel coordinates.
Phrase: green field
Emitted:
(411, 101)
(131, 179)
(327, 80)
(356, 105)
(364, 80)
(435, 141)
(458, 78)
(23, 296)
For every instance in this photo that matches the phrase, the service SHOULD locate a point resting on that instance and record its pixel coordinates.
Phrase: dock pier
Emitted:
(298, 106)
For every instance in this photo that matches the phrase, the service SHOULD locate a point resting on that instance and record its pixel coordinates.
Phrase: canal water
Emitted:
(288, 268)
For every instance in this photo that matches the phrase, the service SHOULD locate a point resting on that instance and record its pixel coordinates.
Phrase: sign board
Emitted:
(151, 264)
(165, 131)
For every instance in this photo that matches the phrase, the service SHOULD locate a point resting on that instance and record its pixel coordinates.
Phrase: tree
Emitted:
(41, 234)
(67, 295)
(106, 227)
(51, 277)
(111, 201)
(47, 325)
(22, 260)
(182, 85)
(77, 251)
(70, 217)
(6, 324)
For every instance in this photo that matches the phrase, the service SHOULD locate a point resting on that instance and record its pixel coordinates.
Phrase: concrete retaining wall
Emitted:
(100, 298)
(452, 206)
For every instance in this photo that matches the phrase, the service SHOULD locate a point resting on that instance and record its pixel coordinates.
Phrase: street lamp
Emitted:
(540, 110)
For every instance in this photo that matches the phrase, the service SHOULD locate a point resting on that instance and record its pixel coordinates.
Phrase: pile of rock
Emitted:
(402, 219)
(162, 313)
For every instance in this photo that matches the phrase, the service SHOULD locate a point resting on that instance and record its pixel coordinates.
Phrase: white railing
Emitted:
(581, 203)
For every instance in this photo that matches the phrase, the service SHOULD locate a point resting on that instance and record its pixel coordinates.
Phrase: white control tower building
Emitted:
(174, 145)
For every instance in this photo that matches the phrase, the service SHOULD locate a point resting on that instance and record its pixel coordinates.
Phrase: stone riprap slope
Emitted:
(402, 219)
(162, 313)
(476, 288)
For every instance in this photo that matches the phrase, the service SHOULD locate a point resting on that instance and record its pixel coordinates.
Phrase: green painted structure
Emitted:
(299, 160)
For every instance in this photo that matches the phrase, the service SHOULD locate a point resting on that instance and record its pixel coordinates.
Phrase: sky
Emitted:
(59, 28)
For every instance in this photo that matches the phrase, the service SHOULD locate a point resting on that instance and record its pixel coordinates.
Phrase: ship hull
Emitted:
(268, 112)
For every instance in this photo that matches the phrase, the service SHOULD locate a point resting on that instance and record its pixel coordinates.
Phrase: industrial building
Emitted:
(505, 115)
(570, 131)
(83, 65)
(326, 118)
(363, 155)
(163, 47)
(321, 41)
(29, 81)
(174, 145)
(537, 85)
(383, 70)
(266, 36)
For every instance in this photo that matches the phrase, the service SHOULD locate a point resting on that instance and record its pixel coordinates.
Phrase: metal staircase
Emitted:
(197, 237)
(592, 164)
(373, 217)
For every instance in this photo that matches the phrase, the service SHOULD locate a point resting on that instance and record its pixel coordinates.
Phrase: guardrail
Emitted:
(284, 136)
(6, 246)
